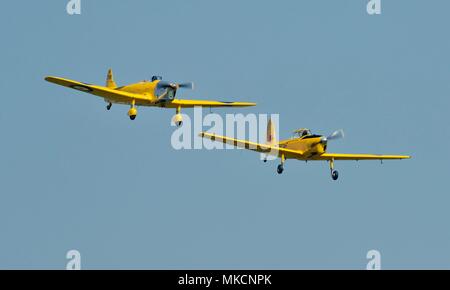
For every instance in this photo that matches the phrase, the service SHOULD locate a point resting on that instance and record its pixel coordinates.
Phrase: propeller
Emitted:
(339, 134)
(188, 85)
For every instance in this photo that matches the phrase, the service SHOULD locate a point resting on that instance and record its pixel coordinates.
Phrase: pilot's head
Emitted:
(156, 78)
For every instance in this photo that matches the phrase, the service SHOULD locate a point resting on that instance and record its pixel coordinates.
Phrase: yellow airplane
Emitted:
(154, 93)
(302, 146)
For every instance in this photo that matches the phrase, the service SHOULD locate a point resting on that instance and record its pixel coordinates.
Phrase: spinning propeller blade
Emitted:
(339, 134)
(189, 85)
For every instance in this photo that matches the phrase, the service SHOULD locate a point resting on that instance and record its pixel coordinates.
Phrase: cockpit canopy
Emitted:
(156, 78)
(301, 133)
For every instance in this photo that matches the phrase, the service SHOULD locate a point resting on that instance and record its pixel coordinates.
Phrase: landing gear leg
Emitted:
(280, 167)
(334, 173)
(108, 107)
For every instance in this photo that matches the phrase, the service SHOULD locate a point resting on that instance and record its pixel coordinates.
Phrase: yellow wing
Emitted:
(338, 156)
(104, 92)
(204, 103)
(295, 154)
(263, 148)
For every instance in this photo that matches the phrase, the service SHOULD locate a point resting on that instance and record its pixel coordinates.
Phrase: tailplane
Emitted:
(110, 83)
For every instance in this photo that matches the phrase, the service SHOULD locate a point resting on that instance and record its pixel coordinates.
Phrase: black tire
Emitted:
(280, 169)
(335, 174)
(179, 124)
(132, 117)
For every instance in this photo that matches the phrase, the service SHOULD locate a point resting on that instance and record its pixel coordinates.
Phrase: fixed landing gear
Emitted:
(179, 123)
(132, 113)
(178, 118)
(334, 173)
(108, 107)
(280, 167)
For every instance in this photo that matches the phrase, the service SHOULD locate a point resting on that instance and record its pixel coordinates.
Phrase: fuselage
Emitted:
(154, 95)
(145, 88)
(310, 145)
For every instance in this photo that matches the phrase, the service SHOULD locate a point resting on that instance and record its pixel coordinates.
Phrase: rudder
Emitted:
(110, 83)
(271, 138)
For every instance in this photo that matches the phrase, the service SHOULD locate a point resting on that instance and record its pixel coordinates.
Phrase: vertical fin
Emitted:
(110, 83)
(271, 138)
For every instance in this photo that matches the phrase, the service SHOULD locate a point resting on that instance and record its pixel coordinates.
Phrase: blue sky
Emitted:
(74, 176)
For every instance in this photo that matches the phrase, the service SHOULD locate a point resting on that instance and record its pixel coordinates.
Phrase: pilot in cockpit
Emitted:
(156, 78)
(300, 133)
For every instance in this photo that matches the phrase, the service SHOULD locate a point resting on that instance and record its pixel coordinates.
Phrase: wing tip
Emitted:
(403, 157)
(52, 79)
(240, 104)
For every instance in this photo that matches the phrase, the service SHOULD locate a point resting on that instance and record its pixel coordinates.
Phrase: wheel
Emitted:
(335, 174)
(178, 120)
(265, 160)
(280, 169)
(132, 113)
(108, 107)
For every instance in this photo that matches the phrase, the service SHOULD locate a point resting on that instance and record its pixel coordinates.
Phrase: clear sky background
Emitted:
(74, 176)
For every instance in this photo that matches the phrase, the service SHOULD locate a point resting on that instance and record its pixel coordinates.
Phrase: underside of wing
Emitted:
(339, 156)
(205, 103)
(262, 148)
(104, 92)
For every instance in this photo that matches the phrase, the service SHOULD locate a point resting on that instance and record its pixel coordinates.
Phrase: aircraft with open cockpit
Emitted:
(304, 145)
(154, 93)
